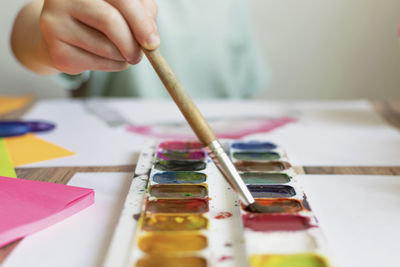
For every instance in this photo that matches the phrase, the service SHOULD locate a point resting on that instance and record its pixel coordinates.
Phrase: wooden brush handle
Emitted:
(181, 97)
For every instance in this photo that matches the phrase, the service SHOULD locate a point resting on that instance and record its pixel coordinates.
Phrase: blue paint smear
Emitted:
(271, 191)
(254, 145)
(179, 177)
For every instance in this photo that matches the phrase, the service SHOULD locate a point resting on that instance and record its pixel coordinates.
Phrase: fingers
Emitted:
(151, 8)
(98, 34)
(64, 58)
(103, 17)
(140, 16)
(93, 41)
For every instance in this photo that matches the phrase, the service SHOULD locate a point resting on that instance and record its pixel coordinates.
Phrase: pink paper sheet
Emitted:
(30, 206)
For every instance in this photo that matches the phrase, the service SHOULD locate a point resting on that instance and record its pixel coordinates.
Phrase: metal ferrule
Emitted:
(227, 168)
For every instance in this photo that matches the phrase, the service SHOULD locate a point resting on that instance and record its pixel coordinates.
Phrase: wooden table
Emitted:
(389, 111)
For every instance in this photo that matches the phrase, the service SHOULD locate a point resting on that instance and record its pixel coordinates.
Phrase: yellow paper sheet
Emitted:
(29, 148)
(6, 167)
(12, 103)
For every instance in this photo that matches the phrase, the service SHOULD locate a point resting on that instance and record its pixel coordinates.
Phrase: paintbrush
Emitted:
(203, 130)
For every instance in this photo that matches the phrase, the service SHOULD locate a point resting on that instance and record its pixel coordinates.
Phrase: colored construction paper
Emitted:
(83, 239)
(29, 148)
(11, 103)
(29, 206)
(6, 167)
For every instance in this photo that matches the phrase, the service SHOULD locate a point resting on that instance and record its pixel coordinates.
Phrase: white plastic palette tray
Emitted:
(207, 226)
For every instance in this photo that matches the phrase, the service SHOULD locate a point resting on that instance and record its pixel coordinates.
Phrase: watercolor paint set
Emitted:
(180, 211)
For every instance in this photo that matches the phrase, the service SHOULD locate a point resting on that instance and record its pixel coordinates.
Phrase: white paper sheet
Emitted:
(93, 141)
(81, 240)
(339, 133)
(360, 216)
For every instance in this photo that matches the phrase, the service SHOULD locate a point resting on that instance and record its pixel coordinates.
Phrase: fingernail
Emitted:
(136, 60)
(152, 38)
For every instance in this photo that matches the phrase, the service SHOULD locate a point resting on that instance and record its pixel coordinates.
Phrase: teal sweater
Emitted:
(209, 46)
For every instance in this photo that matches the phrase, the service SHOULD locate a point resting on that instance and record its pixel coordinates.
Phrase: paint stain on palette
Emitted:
(191, 217)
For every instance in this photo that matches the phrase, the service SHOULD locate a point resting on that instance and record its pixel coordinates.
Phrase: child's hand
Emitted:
(97, 34)
(103, 35)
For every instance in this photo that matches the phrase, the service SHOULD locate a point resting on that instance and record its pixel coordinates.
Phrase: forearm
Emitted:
(27, 42)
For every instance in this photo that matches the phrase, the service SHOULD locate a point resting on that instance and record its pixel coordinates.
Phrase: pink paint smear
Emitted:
(224, 258)
(234, 129)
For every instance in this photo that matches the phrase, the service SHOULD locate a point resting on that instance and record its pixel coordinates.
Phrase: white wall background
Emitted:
(15, 79)
(331, 49)
(315, 49)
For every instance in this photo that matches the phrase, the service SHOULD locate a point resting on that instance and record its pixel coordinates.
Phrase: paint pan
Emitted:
(178, 191)
(253, 145)
(272, 222)
(254, 166)
(179, 177)
(265, 178)
(298, 260)
(250, 156)
(271, 191)
(180, 165)
(157, 243)
(180, 222)
(180, 145)
(167, 261)
(181, 155)
(286, 205)
(177, 206)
